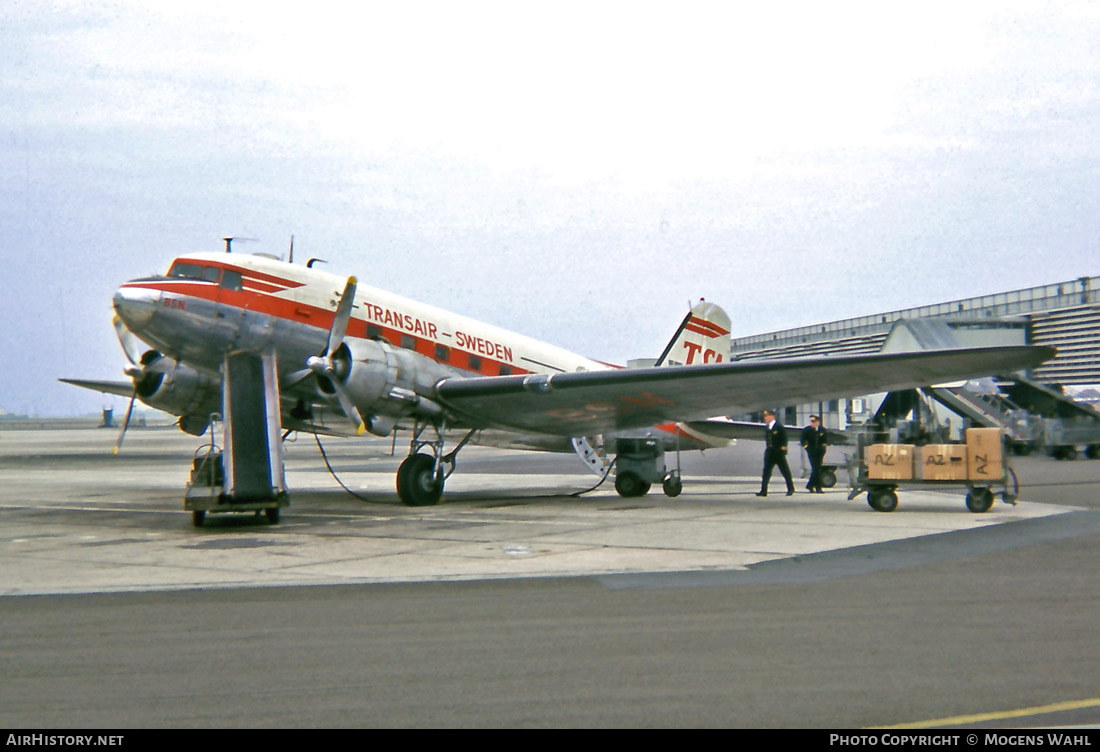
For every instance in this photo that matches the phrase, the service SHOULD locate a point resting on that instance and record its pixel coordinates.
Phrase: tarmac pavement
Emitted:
(517, 604)
(77, 519)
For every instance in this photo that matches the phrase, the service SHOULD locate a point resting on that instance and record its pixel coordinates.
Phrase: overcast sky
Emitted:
(577, 172)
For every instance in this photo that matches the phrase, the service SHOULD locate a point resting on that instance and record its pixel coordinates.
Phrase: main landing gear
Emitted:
(639, 464)
(421, 476)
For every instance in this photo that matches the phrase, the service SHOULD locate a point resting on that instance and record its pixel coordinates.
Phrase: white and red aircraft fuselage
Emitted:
(376, 359)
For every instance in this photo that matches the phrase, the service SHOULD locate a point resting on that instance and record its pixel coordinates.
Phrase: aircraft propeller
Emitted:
(324, 366)
(131, 345)
(142, 367)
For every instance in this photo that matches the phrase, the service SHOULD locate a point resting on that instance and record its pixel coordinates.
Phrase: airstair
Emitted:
(984, 405)
(1061, 424)
(1031, 414)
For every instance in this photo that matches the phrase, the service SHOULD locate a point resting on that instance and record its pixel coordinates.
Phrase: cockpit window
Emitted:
(185, 270)
(229, 279)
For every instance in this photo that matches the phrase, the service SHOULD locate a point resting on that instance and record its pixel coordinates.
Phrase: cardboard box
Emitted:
(890, 461)
(942, 462)
(985, 454)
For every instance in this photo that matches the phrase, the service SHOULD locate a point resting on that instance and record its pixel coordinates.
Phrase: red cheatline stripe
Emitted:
(676, 430)
(182, 285)
(301, 313)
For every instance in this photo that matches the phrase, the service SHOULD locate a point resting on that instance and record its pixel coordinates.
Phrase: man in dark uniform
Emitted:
(775, 453)
(813, 441)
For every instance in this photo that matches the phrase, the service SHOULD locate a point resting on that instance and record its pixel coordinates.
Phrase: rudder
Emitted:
(703, 337)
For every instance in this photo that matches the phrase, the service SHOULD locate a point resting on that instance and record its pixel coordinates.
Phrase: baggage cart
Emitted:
(981, 466)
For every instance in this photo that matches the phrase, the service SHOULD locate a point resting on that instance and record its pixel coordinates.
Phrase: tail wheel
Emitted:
(673, 486)
(417, 483)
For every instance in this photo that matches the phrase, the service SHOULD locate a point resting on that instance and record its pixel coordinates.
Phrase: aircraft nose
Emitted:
(136, 307)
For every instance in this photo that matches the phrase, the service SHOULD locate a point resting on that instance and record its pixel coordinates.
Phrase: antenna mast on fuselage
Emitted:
(229, 242)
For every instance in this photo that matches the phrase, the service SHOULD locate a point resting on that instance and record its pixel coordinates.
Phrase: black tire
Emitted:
(417, 485)
(1068, 452)
(882, 500)
(272, 515)
(828, 478)
(673, 486)
(1093, 452)
(198, 517)
(630, 484)
(979, 500)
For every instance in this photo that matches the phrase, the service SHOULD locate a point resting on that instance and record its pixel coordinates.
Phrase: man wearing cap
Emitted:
(813, 441)
(775, 453)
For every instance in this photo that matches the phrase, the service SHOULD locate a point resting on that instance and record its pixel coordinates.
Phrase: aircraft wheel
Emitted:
(673, 486)
(1068, 452)
(198, 517)
(979, 500)
(272, 515)
(630, 484)
(882, 500)
(417, 485)
(828, 478)
(1093, 452)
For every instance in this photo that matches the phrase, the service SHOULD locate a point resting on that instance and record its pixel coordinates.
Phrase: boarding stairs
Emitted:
(985, 407)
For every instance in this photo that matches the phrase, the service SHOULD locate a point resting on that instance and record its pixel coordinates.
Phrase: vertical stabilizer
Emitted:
(703, 337)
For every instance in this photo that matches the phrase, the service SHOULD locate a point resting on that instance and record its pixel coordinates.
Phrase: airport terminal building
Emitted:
(1064, 315)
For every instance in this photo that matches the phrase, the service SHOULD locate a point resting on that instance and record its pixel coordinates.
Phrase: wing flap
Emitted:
(583, 403)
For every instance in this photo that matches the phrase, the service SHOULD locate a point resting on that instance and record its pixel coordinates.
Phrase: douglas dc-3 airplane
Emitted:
(328, 355)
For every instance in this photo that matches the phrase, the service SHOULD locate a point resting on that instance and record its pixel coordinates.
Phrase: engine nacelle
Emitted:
(385, 382)
(179, 389)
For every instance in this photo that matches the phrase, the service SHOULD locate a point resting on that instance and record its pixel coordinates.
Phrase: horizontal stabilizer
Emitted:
(748, 430)
(121, 388)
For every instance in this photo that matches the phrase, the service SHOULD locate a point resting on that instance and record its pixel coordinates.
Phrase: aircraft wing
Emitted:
(590, 402)
(121, 388)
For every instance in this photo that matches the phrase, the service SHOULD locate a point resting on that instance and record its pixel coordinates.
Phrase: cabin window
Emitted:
(505, 370)
(374, 331)
(408, 341)
(231, 280)
(475, 363)
(442, 353)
